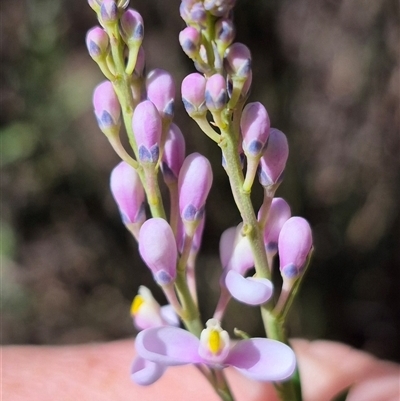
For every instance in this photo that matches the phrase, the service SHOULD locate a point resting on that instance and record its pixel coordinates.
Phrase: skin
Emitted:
(101, 372)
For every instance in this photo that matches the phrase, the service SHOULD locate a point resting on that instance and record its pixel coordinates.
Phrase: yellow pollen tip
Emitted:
(137, 302)
(214, 341)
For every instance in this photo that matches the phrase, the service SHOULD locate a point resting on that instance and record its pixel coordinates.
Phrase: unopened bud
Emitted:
(128, 193)
(160, 88)
(98, 43)
(219, 8)
(294, 246)
(131, 26)
(146, 124)
(107, 108)
(255, 125)
(189, 40)
(224, 32)
(173, 155)
(273, 160)
(215, 93)
(238, 61)
(194, 183)
(193, 94)
(109, 12)
(157, 247)
(193, 12)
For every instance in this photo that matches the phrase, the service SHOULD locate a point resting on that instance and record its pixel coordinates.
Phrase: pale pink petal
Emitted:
(168, 345)
(251, 291)
(263, 359)
(144, 372)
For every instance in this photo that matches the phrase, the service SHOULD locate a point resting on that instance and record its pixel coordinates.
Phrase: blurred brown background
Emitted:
(328, 73)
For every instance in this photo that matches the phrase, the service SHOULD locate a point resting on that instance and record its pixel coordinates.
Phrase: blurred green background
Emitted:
(328, 73)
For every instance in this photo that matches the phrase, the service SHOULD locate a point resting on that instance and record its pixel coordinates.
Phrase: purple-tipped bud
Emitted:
(97, 42)
(273, 160)
(215, 93)
(157, 247)
(107, 108)
(131, 26)
(238, 60)
(294, 246)
(146, 124)
(189, 39)
(279, 213)
(193, 94)
(224, 31)
(160, 88)
(128, 193)
(193, 12)
(255, 125)
(173, 155)
(194, 184)
(109, 11)
(219, 8)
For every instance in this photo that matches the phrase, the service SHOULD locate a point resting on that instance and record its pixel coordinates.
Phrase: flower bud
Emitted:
(193, 94)
(194, 184)
(128, 193)
(131, 26)
(193, 12)
(98, 43)
(279, 213)
(238, 60)
(173, 155)
(224, 32)
(109, 11)
(107, 108)
(189, 40)
(146, 124)
(255, 125)
(273, 160)
(219, 8)
(294, 246)
(157, 247)
(161, 91)
(215, 93)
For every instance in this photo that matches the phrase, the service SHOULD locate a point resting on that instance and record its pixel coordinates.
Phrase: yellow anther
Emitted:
(137, 302)
(214, 341)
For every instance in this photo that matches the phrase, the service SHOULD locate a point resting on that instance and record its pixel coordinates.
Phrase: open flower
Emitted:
(257, 358)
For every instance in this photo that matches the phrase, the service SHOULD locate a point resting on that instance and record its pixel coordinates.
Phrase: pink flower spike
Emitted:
(189, 40)
(193, 94)
(251, 291)
(263, 359)
(255, 125)
(157, 247)
(146, 124)
(131, 26)
(294, 245)
(273, 160)
(279, 213)
(215, 93)
(107, 108)
(173, 155)
(144, 372)
(238, 60)
(194, 184)
(160, 88)
(128, 193)
(97, 43)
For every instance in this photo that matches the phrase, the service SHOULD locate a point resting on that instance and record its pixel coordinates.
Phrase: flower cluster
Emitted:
(215, 98)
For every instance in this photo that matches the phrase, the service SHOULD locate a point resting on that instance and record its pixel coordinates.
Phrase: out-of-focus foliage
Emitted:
(328, 73)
